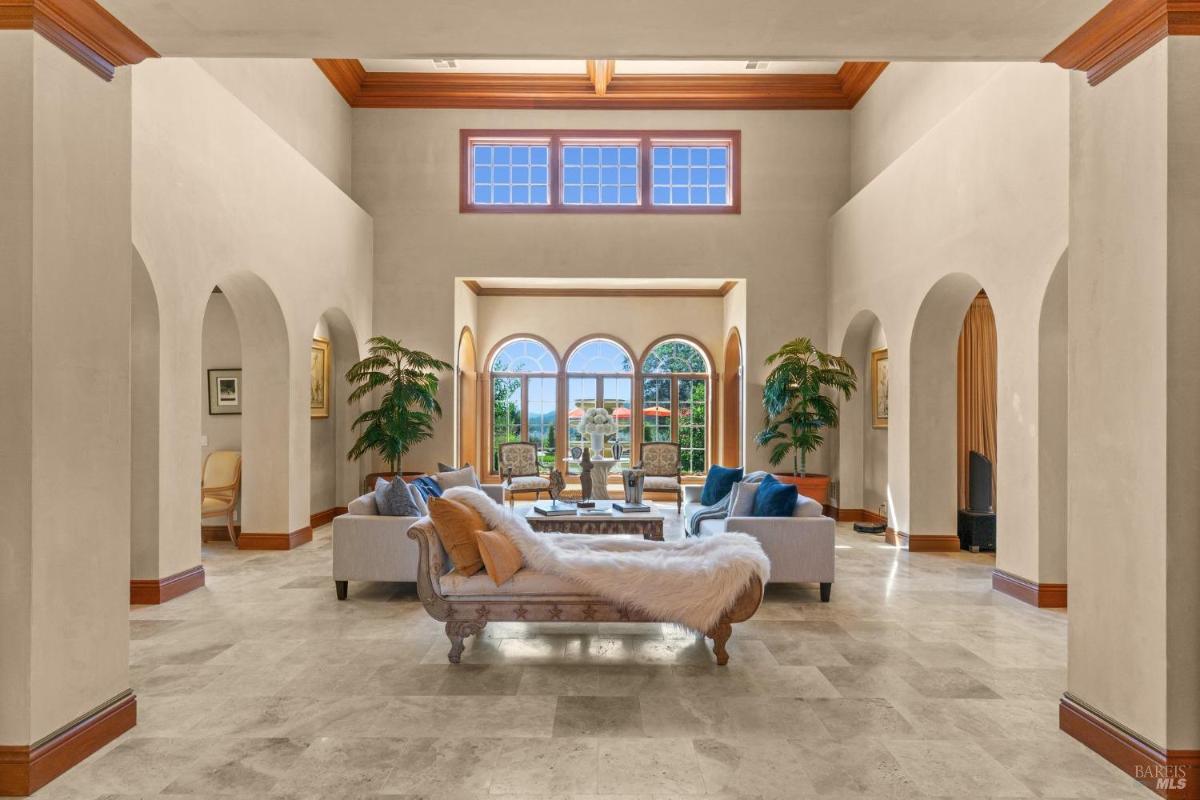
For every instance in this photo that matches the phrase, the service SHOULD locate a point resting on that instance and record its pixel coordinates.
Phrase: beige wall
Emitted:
(795, 174)
(66, 257)
(981, 195)
(1134, 647)
(875, 440)
(298, 102)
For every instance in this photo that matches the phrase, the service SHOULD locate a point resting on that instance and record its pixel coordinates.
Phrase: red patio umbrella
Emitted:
(576, 413)
(656, 411)
(622, 412)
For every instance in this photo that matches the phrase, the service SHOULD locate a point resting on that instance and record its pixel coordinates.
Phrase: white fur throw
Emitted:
(690, 582)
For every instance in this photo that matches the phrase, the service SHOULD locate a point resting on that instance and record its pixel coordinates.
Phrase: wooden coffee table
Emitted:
(647, 524)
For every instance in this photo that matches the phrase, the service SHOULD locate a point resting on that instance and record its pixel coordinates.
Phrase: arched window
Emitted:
(600, 373)
(523, 379)
(675, 400)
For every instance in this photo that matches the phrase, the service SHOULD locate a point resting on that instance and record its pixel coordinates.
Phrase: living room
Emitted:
(823, 327)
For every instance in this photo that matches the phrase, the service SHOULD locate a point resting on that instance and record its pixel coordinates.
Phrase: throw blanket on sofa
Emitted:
(719, 509)
(691, 582)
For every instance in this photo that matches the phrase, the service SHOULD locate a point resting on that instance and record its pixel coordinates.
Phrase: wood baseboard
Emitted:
(154, 591)
(1173, 774)
(217, 533)
(928, 543)
(891, 537)
(858, 515)
(1042, 595)
(24, 770)
(275, 541)
(325, 517)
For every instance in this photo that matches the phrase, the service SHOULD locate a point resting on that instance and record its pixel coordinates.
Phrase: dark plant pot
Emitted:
(811, 485)
(369, 481)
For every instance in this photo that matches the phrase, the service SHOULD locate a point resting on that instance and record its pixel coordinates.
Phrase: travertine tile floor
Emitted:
(917, 681)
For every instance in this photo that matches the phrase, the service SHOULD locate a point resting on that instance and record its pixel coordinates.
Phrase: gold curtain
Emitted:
(976, 390)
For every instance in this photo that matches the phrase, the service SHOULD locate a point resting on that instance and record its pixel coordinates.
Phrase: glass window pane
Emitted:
(599, 356)
(618, 399)
(506, 415)
(581, 395)
(693, 170)
(606, 168)
(524, 355)
(675, 355)
(543, 407)
(502, 175)
(693, 412)
(656, 410)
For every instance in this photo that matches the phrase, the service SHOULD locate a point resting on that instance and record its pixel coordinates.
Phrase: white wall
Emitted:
(795, 174)
(298, 102)
(982, 193)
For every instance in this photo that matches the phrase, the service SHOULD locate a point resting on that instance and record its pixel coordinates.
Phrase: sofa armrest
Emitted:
(800, 548)
(494, 490)
(692, 492)
(373, 548)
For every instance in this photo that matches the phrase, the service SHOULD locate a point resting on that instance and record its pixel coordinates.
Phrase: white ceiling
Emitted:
(529, 66)
(599, 283)
(713, 29)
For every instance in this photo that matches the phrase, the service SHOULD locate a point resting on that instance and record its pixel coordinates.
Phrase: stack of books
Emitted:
(554, 509)
(631, 507)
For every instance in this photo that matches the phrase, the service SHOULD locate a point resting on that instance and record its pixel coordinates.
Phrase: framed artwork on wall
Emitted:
(224, 391)
(319, 379)
(879, 388)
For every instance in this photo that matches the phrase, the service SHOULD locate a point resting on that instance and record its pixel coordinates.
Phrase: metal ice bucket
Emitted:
(633, 480)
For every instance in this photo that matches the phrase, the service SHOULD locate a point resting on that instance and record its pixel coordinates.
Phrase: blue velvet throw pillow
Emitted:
(392, 498)
(719, 483)
(428, 487)
(774, 499)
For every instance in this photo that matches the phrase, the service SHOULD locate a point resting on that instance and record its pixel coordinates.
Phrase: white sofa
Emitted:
(371, 547)
(800, 546)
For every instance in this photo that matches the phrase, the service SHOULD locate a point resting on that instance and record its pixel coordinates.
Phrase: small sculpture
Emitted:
(633, 480)
(556, 484)
(585, 475)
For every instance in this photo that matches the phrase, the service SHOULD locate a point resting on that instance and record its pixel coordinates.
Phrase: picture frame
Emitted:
(879, 388)
(225, 391)
(319, 374)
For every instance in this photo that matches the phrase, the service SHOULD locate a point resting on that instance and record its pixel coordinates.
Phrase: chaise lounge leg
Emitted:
(457, 631)
(341, 588)
(826, 588)
(720, 635)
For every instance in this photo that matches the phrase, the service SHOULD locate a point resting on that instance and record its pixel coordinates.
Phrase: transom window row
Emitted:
(613, 170)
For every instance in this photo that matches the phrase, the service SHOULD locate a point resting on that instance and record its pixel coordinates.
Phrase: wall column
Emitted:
(1134, 418)
(65, 414)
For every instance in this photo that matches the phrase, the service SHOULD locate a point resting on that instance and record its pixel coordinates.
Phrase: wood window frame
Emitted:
(645, 140)
(562, 389)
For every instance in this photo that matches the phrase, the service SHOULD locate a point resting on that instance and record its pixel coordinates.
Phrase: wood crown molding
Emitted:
(275, 541)
(1121, 31)
(82, 29)
(155, 591)
(839, 91)
(1042, 595)
(1174, 774)
(485, 291)
(24, 770)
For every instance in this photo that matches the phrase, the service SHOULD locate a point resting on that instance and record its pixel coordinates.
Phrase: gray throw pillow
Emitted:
(458, 477)
(392, 499)
(742, 502)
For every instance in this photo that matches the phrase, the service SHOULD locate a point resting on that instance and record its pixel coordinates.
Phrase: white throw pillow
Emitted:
(458, 477)
(741, 504)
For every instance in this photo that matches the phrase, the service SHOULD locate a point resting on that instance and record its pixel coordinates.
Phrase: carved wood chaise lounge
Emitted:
(468, 604)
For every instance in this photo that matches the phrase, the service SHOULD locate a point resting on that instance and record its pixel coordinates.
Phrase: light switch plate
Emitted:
(203, 440)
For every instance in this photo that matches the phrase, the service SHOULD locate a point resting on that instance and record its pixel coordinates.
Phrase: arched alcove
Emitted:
(334, 479)
(731, 401)
(862, 436)
(1052, 425)
(144, 353)
(467, 369)
(933, 412)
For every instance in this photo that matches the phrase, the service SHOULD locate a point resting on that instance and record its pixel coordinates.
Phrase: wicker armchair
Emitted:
(520, 472)
(662, 464)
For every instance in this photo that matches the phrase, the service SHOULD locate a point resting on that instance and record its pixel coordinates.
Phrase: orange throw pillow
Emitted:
(456, 524)
(500, 556)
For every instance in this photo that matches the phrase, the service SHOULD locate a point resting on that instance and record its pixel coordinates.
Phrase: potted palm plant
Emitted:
(408, 384)
(798, 409)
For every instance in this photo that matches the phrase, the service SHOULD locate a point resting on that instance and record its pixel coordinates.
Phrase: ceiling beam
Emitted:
(838, 91)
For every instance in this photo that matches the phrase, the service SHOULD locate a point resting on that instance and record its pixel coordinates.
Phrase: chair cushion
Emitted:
(526, 582)
(718, 483)
(774, 499)
(458, 477)
(660, 459)
(658, 483)
(213, 505)
(519, 458)
(221, 468)
(456, 525)
(501, 558)
(393, 499)
(527, 483)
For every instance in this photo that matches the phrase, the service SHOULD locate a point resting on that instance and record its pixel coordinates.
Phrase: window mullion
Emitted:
(555, 172)
(644, 203)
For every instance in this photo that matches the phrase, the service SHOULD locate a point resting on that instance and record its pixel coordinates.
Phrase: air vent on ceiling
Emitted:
(445, 63)
(757, 64)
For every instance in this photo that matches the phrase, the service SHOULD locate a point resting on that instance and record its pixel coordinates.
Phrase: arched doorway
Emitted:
(862, 436)
(731, 401)
(1052, 435)
(334, 479)
(468, 399)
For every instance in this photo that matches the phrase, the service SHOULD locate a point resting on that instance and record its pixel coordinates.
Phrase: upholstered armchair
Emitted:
(519, 470)
(220, 485)
(662, 464)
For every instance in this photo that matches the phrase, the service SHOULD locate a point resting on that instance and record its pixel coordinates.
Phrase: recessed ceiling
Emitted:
(711, 29)
(516, 285)
(534, 66)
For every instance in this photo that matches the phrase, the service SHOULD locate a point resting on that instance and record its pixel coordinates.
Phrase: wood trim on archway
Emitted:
(731, 401)
(468, 398)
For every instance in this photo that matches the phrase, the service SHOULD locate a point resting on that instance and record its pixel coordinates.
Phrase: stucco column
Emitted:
(64, 414)
(1134, 392)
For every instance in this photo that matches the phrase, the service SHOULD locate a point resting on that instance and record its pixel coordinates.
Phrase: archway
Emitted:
(144, 353)
(334, 479)
(261, 398)
(468, 399)
(731, 401)
(1052, 431)
(933, 413)
(862, 436)
(223, 391)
